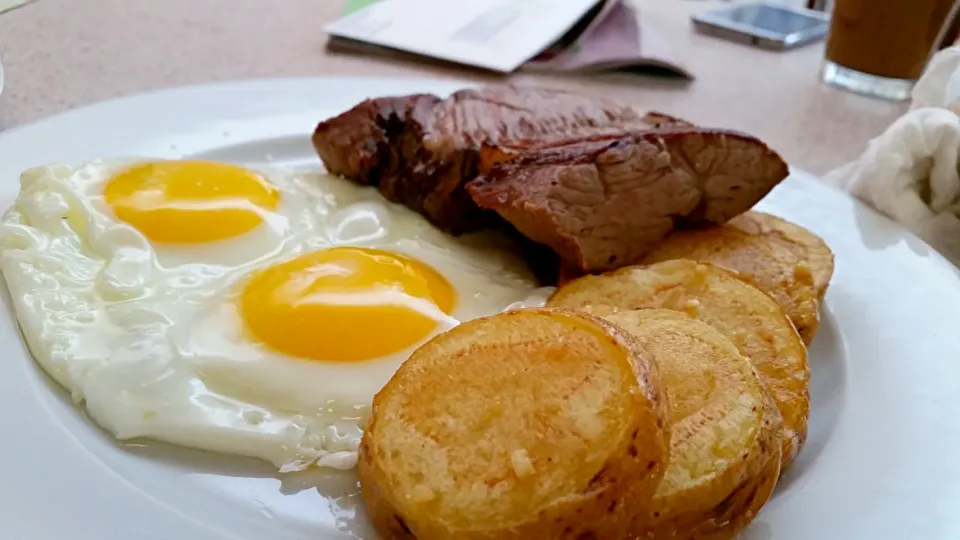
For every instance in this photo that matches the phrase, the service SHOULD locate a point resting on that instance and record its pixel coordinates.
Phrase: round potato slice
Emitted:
(751, 319)
(813, 251)
(784, 260)
(725, 429)
(529, 424)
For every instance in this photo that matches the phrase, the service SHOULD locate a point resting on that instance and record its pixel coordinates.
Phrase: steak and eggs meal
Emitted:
(517, 312)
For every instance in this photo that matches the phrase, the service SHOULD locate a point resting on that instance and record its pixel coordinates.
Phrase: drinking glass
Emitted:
(880, 47)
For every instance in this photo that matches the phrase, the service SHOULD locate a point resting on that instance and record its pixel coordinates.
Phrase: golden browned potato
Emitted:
(812, 249)
(725, 442)
(529, 424)
(751, 319)
(784, 260)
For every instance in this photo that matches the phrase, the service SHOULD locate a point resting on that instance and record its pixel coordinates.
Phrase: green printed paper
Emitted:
(356, 5)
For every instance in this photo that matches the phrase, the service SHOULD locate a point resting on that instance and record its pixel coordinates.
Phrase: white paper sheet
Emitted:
(499, 35)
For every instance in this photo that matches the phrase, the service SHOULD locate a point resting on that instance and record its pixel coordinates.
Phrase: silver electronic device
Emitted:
(766, 25)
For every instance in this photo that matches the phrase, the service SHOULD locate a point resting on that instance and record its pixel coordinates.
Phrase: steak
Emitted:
(603, 204)
(596, 181)
(421, 151)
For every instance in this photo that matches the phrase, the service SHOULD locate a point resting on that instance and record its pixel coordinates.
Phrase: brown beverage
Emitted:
(886, 38)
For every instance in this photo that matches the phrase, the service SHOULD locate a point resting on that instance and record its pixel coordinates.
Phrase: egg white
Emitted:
(149, 336)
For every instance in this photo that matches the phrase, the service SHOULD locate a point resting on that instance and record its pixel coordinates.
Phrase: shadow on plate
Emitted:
(338, 490)
(827, 357)
(758, 530)
(880, 232)
(295, 152)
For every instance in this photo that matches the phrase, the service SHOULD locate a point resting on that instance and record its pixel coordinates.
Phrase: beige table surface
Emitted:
(60, 54)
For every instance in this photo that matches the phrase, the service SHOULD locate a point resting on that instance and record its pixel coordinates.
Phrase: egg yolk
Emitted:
(190, 201)
(345, 304)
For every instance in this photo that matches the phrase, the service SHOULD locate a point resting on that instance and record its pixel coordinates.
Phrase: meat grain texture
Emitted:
(596, 181)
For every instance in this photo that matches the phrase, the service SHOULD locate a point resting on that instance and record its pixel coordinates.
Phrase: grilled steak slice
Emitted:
(421, 151)
(602, 204)
(377, 142)
(594, 180)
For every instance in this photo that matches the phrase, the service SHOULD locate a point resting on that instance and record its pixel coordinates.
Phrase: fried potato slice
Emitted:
(784, 260)
(529, 424)
(814, 251)
(748, 317)
(725, 429)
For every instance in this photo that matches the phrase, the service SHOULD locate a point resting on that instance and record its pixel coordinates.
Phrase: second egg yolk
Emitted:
(346, 304)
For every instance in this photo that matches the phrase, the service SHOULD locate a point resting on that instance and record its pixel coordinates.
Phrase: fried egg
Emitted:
(252, 312)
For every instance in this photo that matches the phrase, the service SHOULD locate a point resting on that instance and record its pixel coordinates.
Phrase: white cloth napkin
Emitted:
(910, 171)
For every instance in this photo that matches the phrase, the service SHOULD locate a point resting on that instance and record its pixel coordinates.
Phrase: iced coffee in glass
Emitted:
(880, 47)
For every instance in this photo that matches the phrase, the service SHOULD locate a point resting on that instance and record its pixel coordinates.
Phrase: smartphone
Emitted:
(769, 26)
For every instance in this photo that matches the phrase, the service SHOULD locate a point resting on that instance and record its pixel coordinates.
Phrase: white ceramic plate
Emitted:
(881, 461)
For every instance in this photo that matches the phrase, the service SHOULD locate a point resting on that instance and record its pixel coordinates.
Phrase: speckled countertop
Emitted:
(60, 54)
